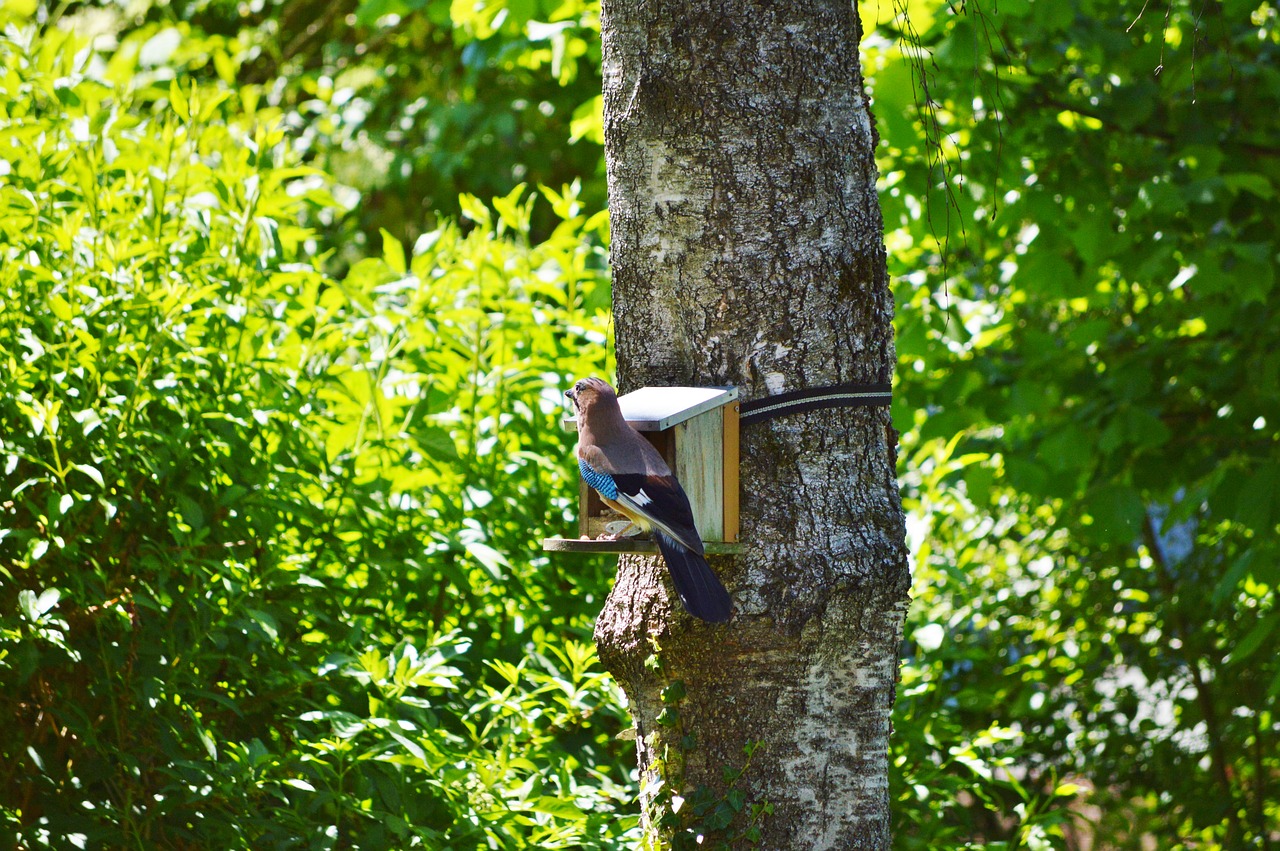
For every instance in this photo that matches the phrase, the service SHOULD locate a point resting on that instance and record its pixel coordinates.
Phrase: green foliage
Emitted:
(684, 818)
(1080, 204)
(405, 104)
(268, 538)
(273, 467)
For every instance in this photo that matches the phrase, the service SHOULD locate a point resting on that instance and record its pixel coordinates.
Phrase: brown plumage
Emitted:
(631, 477)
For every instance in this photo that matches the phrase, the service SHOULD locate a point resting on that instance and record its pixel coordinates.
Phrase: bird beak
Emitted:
(571, 396)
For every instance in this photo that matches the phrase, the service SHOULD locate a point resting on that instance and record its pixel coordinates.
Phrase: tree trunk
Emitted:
(748, 251)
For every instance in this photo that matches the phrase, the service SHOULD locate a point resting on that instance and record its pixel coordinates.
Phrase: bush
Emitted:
(269, 539)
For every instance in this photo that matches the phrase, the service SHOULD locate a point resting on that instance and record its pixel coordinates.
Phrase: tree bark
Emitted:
(747, 250)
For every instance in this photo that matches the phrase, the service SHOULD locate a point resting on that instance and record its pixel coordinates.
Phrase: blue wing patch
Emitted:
(602, 482)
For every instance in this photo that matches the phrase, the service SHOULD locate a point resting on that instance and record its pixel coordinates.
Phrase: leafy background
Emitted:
(291, 289)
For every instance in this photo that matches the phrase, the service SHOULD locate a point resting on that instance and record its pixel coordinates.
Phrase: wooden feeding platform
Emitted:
(696, 431)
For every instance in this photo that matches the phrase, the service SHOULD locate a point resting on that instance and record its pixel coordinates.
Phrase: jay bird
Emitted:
(631, 477)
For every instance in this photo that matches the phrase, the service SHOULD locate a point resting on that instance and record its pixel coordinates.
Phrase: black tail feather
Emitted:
(700, 590)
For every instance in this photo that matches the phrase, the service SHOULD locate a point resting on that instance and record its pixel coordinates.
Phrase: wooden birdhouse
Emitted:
(696, 431)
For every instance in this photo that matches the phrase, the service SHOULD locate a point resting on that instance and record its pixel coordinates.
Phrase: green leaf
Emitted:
(375, 665)
(561, 808)
(369, 11)
(210, 746)
(60, 308)
(27, 602)
(1256, 499)
(1231, 580)
(475, 210)
(720, 818)
(960, 49)
(340, 439)
(393, 253)
(1255, 639)
(1067, 448)
(266, 622)
(35, 607)
(92, 472)
(1117, 514)
(438, 443)
(1256, 184)
(492, 560)
(178, 100)
(588, 122)
(1045, 270)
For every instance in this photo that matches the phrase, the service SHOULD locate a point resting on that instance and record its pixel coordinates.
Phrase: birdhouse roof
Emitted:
(660, 408)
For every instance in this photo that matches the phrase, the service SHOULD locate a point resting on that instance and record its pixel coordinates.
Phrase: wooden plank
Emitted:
(575, 545)
(730, 491)
(699, 463)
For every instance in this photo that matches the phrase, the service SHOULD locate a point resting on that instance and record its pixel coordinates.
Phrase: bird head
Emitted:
(595, 399)
(586, 392)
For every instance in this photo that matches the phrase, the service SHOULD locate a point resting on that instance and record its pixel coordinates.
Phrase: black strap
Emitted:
(841, 396)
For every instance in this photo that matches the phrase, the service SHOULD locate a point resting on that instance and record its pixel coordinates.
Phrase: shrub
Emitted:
(268, 539)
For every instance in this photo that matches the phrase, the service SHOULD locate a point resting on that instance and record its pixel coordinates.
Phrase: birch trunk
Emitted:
(748, 250)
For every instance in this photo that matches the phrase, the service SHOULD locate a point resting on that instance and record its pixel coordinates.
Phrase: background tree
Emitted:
(747, 251)
(1090, 329)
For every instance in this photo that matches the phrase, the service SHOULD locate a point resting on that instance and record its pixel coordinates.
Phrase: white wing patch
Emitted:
(642, 498)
